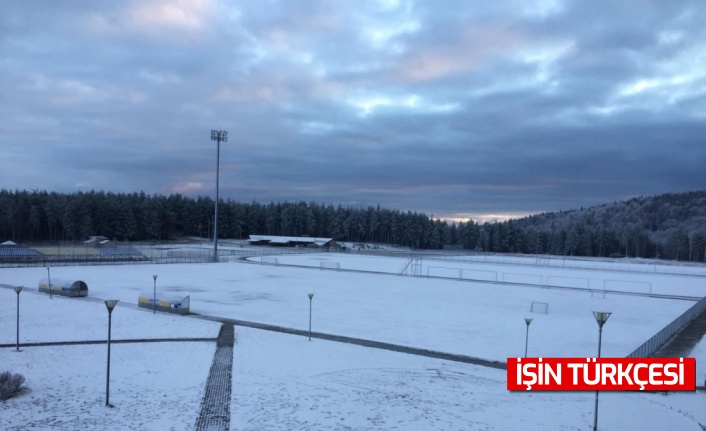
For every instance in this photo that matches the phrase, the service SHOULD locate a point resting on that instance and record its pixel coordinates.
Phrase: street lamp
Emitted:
(527, 322)
(601, 318)
(109, 304)
(311, 296)
(154, 295)
(49, 282)
(18, 289)
(218, 136)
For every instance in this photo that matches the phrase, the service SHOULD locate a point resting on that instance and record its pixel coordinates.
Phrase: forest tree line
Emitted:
(670, 226)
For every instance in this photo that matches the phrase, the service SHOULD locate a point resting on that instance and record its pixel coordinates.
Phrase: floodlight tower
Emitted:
(218, 136)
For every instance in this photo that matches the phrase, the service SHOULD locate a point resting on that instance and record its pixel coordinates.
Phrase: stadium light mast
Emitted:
(218, 136)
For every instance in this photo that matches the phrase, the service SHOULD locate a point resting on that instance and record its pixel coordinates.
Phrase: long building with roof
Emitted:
(291, 241)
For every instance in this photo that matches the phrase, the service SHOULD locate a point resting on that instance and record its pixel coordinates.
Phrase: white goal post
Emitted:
(265, 260)
(539, 307)
(330, 265)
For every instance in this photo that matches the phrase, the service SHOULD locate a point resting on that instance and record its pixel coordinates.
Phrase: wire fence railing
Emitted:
(640, 266)
(79, 254)
(651, 346)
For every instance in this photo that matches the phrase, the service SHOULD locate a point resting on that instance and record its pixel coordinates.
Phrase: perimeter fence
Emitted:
(651, 346)
(127, 253)
(638, 266)
(77, 253)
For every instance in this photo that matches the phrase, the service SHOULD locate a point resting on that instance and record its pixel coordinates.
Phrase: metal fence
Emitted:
(129, 253)
(653, 266)
(651, 346)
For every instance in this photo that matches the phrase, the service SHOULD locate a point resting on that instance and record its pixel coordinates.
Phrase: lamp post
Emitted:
(49, 282)
(154, 295)
(311, 296)
(527, 322)
(601, 318)
(218, 136)
(109, 304)
(18, 289)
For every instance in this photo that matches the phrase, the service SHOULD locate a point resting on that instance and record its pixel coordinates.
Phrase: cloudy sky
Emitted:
(460, 109)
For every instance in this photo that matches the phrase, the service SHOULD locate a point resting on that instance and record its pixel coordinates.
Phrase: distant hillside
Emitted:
(669, 226)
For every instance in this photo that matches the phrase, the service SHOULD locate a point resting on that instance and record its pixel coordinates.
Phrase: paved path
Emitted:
(681, 345)
(133, 340)
(360, 342)
(215, 406)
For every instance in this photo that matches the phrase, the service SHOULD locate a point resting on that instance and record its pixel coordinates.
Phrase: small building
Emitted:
(291, 241)
(176, 304)
(63, 288)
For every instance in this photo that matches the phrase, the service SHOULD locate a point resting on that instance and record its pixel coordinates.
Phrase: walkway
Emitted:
(215, 406)
(359, 342)
(681, 345)
(132, 340)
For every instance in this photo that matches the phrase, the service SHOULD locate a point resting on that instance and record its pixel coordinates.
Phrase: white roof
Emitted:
(8, 243)
(282, 240)
(287, 239)
(93, 239)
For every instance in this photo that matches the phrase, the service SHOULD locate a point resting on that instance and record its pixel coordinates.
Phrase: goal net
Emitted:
(330, 265)
(539, 307)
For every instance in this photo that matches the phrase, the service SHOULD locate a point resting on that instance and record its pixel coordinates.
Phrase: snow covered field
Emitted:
(619, 275)
(286, 382)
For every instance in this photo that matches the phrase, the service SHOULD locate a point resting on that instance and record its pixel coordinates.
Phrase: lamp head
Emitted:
(110, 304)
(601, 317)
(18, 289)
(528, 321)
(155, 277)
(219, 135)
(311, 295)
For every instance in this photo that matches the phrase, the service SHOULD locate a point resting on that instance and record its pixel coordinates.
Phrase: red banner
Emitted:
(601, 374)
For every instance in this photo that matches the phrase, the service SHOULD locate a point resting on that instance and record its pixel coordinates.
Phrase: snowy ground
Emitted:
(292, 384)
(286, 382)
(154, 386)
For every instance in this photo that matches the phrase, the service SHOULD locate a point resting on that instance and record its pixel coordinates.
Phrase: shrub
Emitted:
(10, 385)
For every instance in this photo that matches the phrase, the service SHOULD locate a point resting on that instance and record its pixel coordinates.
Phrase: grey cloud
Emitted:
(456, 109)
